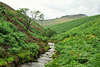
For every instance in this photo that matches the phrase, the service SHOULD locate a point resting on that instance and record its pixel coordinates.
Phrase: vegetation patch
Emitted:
(66, 26)
(78, 47)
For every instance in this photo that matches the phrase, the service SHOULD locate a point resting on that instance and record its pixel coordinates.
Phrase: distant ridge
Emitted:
(73, 15)
(62, 19)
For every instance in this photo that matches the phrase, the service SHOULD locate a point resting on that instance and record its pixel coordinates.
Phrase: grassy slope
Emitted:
(59, 28)
(79, 47)
(60, 20)
(17, 45)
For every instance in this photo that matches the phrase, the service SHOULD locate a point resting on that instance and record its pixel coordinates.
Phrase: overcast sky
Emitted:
(58, 8)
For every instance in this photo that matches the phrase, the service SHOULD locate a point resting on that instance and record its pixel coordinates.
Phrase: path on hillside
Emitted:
(43, 59)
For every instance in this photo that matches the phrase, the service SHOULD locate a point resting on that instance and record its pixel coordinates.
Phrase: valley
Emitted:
(68, 41)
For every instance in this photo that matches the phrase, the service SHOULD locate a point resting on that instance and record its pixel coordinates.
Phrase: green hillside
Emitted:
(77, 43)
(80, 46)
(59, 28)
(62, 19)
(18, 45)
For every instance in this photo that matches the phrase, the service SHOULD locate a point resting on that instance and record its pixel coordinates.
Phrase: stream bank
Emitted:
(43, 59)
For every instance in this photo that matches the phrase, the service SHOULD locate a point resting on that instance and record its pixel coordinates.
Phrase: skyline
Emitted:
(57, 8)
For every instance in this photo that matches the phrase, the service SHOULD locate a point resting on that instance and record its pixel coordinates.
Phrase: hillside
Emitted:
(18, 45)
(78, 47)
(62, 27)
(61, 19)
(73, 39)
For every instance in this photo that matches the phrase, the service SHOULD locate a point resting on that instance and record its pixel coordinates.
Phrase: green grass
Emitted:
(59, 28)
(78, 47)
(12, 42)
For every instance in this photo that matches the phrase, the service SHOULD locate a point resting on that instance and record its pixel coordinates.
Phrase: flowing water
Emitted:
(43, 59)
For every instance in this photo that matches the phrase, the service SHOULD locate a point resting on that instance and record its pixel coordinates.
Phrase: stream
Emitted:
(43, 59)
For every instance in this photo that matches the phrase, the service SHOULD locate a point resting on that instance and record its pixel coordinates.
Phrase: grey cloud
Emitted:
(57, 8)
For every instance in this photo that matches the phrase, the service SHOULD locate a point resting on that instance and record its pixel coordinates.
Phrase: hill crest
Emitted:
(62, 19)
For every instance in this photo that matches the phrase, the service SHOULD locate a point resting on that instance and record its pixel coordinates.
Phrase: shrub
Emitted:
(31, 46)
(0, 51)
(6, 28)
(2, 40)
(2, 61)
(14, 50)
(48, 32)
